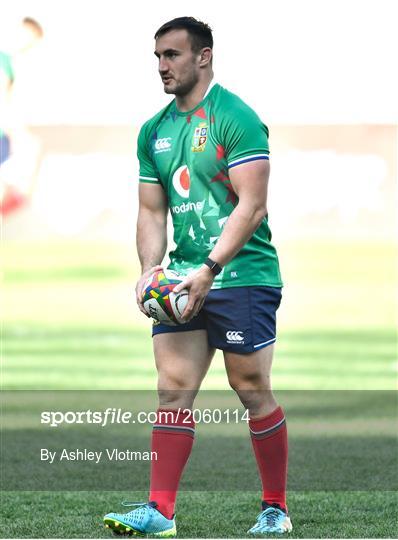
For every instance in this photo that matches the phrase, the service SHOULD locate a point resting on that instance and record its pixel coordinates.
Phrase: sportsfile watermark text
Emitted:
(113, 415)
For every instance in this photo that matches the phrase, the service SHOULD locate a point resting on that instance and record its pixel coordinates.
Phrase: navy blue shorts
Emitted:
(237, 319)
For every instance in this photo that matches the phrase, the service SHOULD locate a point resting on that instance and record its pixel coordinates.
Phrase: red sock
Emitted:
(269, 439)
(172, 439)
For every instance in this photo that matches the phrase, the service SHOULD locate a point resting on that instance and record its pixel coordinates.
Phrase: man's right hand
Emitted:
(140, 286)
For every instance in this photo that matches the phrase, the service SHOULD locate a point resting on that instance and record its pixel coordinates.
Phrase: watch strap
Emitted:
(214, 267)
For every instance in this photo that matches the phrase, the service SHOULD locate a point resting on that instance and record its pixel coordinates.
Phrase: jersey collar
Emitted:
(212, 83)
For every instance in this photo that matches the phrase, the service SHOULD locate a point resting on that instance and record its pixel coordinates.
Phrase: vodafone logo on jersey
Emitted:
(182, 181)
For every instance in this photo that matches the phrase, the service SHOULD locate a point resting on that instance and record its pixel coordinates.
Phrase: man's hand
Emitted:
(198, 285)
(140, 286)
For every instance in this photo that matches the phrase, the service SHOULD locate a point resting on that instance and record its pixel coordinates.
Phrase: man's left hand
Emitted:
(198, 284)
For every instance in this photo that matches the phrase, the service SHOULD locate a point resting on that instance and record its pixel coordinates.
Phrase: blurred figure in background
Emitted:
(19, 148)
(6, 80)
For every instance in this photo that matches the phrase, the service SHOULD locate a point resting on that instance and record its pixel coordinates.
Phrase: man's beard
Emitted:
(184, 88)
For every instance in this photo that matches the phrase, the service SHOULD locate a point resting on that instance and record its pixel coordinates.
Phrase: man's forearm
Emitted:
(151, 239)
(239, 228)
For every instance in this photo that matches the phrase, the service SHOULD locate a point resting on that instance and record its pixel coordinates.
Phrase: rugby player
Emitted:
(205, 157)
(16, 140)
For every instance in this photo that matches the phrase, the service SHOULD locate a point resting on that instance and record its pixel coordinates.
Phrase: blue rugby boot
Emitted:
(271, 520)
(142, 521)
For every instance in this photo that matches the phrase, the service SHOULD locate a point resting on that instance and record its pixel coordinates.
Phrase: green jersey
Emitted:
(189, 154)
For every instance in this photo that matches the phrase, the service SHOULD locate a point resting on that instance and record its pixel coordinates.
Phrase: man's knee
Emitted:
(253, 390)
(176, 379)
(249, 381)
(175, 390)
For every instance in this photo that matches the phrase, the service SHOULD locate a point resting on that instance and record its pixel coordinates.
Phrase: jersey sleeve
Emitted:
(148, 173)
(245, 137)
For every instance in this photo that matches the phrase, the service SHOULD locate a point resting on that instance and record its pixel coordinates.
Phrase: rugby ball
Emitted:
(159, 300)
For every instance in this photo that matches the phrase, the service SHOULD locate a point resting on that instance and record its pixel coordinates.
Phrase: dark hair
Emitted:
(34, 24)
(198, 31)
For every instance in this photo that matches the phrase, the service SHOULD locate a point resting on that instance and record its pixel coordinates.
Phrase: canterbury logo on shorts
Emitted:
(234, 336)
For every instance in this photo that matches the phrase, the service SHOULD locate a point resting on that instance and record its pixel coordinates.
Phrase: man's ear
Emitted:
(206, 54)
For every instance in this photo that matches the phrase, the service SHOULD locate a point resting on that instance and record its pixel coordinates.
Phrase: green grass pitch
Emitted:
(69, 322)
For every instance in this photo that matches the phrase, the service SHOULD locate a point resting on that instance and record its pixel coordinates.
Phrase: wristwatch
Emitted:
(214, 267)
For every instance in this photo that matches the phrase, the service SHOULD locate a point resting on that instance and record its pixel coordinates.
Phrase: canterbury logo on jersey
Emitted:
(163, 145)
(234, 336)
